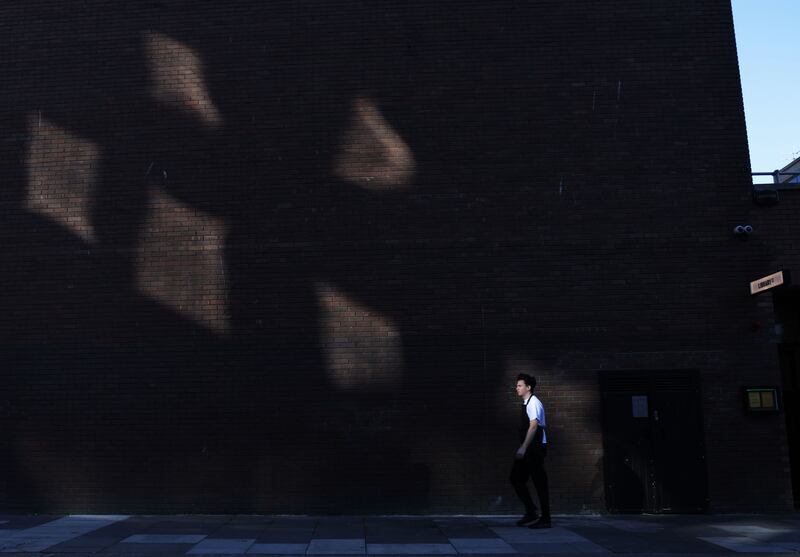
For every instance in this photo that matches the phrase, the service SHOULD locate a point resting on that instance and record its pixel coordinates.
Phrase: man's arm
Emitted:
(528, 438)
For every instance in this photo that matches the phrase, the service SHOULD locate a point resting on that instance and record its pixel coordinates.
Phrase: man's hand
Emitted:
(528, 439)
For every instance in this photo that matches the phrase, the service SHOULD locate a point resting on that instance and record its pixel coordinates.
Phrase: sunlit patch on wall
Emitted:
(363, 349)
(177, 78)
(180, 261)
(62, 172)
(372, 154)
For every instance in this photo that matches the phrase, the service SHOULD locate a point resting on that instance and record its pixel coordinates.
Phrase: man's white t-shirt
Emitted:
(536, 412)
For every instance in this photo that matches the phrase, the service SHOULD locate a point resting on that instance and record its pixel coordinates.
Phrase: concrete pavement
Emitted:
(109, 535)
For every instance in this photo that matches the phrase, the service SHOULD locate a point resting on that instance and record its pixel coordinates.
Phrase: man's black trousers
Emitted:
(532, 466)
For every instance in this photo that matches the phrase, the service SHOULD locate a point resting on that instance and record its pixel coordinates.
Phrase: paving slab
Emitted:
(203, 524)
(743, 544)
(467, 527)
(165, 538)
(22, 521)
(500, 520)
(101, 538)
(410, 549)
(238, 532)
(755, 531)
(547, 547)
(667, 541)
(404, 532)
(339, 528)
(182, 528)
(285, 535)
(337, 547)
(254, 519)
(146, 549)
(481, 545)
(84, 544)
(221, 546)
(792, 546)
(785, 554)
(294, 522)
(278, 548)
(638, 526)
(407, 537)
(549, 535)
(40, 537)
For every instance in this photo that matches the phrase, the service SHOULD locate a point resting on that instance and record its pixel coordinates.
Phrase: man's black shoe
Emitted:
(540, 524)
(528, 519)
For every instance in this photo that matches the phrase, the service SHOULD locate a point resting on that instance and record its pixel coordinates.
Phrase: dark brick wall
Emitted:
(289, 256)
(774, 240)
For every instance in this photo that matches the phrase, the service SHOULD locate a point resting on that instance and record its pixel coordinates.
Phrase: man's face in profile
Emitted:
(522, 389)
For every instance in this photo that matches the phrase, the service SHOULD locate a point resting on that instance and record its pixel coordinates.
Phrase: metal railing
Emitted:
(780, 180)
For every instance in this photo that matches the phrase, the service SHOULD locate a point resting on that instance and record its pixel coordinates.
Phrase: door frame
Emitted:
(648, 380)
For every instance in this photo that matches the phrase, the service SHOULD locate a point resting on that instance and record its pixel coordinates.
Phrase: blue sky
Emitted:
(768, 41)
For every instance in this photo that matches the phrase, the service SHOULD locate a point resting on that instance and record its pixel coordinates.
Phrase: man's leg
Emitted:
(519, 477)
(539, 477)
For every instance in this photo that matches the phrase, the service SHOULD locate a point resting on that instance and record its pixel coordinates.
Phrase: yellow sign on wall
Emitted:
(761, 399)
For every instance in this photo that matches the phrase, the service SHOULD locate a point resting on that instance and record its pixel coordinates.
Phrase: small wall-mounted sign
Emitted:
(770, 281)
(639, 406)
(762, 400)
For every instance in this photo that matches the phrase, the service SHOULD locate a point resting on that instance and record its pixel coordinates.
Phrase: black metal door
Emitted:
(653, 440)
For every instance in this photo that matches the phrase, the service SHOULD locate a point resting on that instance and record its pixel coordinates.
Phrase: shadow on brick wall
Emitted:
(273, 256)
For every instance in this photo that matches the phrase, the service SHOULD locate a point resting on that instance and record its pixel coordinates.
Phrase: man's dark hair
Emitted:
(530, 380)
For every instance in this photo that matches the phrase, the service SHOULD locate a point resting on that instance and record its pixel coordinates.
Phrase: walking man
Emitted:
(529, 460)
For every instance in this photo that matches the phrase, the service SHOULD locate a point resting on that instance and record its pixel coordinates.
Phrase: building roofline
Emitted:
(794, 163)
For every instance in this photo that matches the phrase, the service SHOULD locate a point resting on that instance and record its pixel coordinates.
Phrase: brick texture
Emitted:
(289, 256)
